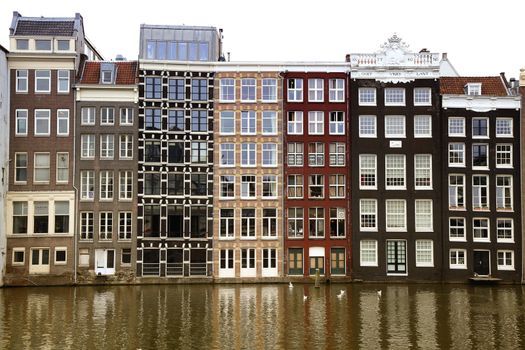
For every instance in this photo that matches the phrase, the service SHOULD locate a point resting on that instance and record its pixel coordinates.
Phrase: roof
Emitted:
(126, 72)
(490, 86)
(45, 27)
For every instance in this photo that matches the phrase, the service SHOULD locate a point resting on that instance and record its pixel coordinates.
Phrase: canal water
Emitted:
(263, 317)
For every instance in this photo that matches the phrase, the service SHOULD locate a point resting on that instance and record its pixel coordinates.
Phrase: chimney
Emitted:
(347, 58)
(444, 56)
(14, 22)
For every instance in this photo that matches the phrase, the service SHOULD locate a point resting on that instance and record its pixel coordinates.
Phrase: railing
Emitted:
(174, 269)
(150, 269)
(198, 269)
(422, 59)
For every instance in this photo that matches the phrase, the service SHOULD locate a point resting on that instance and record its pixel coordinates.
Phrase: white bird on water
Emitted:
(290, 285)
(305, 297)
(379, 293)
(341, 294)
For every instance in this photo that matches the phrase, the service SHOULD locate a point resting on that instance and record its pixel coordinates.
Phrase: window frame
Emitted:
(61, 80)
(37, 79)
(393, 92)
(246, 95)
(224, 94)
(366, 92)
(372, 251)
(19, 78)
(463, 126)
(426, 250)
(419, 134)
(423, 103)
(389, 134)
(64, 117)
(19, 118)
(42, 134)
(314, 90)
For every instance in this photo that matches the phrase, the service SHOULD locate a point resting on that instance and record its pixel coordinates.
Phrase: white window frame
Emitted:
(370, 169)
(315, 123)
(295, 126)
(126, 146)
(336, 90)
(391, 122)
(87, 146)
(338, 126)
(19, 116)
(337, 154)
(370, 94)
(424, 250)
(106, 185)
(481, 167)
(462, 238)
(504, 188)
(125, 225)
(225, 85)
(64, 77)
(362, 119)
(337, 185)
(389, 216)
(422, 170)
(37, 79)
(500, 152)
(498, 229)
(459, 151)
(395, 169)
(18, 263)
(248, 117)
(315, 87)
(126, 116)
(270, 180)
(247, 151)
(269, 84)
(35, 168)
(295, 94)
(87, 180)
(418, 119)
(419, 92)
(62, 118)
(269, 155)
(451, 121)
(295, 154)
(20, 78)
(224, 116)
(511, 127)
(456, 252)
(456, 187)
(295, 186)
(48, 133)
(90, 113)
(60, 249)
(105, 114)
(371, 249)
(58, 180)
(245, 185)
(266, 222)
(107, 152)
(125, 183)
(473, 89)
(488, 128)
(224, 221)
(105, 232)
(316, 181)
(363, 212)
(225, 150)
(479, 188)
(270, 116)
(420, 214)
(222, 182)
(505, 267)
(316, 154)
(475, 227)
(250, 235)
(391, 93)
(244, 84)
(17, 154)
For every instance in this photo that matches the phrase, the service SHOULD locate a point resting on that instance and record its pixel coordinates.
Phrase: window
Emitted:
(227, 223)
(60, 256)
(151, 221)
(367, 126)
(394, 126)
(480, 127)
(176, 121)
(269, 123)
(456, 229)
(424, 215)
(336, 90)
(152, 151)
(248, 186)
(504, 127)
(247, 223)
(248, 123)
(295, 90)
(63, 81)
(153, 89)
(480, 230)
(126, 116)
(63, 122)
(504, 192)
(367, 96)
(337, 222)
(199, 90)
(107, 146)
(480, 156)
(19, 256)
(227, 122)
(456, 191)
(396, 256)
(199, 120)
(504, 156)
(316, 123)
(20, 167)
(337, 154)
(87, 146)
(395, 171)
(422, 97)
(39, 260)
(248, 90)
(227, 92)
(175, 221)
(368, 171)
(43, 45)
(86, 225)
(88, 115)
(368, 252)
(473, 89)
(61, 217)
(337, 186)
(295, 261)
(176, 89)
(125, 257)
(394, 96)
(106, 185)
(87, 185)
(269, 90)
(63, 45)
(295, 222)
(456, 127)
(337, 123)
(176, 152)
(42, 81)
(175, 184)
(62, 173)
(480, 192)
(107, 77)
(316, 222)
(505, 230)
(227, 155)
(368, 214)
(396, 219)
(41, 217)
(20, 215)
(295, 154)
(199, 152)
(182, 51)
(42, 122)
(269, 223)
(295, 123)
(315, 90)
(22, 44)
(316, 154)
(269, 154)
(295, 186)
(152, 184)
(41, 167)
(269, 262)
(422, 126)
(456, 154)
(21, 80)
(423, 171)
(125, 185)
(107, 116)
(424, 253)
(126, 147)
(316, 186)
(105, 225)
(199, 184)
(269, 186)
(248, 154)
(505, 260)
(227, 187)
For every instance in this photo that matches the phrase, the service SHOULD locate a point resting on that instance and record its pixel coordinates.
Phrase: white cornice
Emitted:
(481, 103)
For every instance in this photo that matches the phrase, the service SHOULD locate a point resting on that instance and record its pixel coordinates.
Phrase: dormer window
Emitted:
(43, 45)
(63, 45)
(107, 77)
(22, 44)
(473, 89)
(107, 72)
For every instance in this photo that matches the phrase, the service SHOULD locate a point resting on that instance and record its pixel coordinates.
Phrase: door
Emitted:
(105, 262)
(316, 262)
(248, 262)
(39, 260)
(226, 263)
(338, 262)
(295, 261)
(269, 268)
(396, 257)
(482, 262)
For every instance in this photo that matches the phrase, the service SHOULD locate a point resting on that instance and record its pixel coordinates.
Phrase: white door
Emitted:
(105, 262)
(248, 262)
(269, 263)
(39, 260)
(227, 263)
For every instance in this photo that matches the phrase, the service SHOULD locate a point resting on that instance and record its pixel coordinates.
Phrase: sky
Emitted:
(481, 37)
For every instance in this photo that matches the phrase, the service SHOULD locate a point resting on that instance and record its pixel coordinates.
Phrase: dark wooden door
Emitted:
(482, 262)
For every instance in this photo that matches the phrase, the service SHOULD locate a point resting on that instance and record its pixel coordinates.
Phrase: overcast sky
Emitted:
(480, 36)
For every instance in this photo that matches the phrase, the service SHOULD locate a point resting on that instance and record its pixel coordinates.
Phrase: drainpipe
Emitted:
(75, 215)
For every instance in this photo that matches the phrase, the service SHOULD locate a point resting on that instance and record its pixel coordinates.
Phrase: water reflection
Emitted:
(263, 317)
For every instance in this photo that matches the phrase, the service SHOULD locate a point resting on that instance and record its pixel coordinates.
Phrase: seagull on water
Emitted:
(290, 285)
(379, 293)
(305, 297)
(341, 294)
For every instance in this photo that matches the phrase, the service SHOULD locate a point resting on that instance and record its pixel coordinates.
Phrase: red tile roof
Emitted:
(490, 86)
(126, 73)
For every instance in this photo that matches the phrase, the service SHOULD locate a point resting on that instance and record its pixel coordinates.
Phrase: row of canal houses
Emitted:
(184, 166)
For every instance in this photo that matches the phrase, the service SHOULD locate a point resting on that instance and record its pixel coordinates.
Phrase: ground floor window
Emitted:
(505, 260)
(368, 252)
(295, 261)
(458, 259)
(39, 260)
(316, 263)
(338, 261)
(396, 257)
